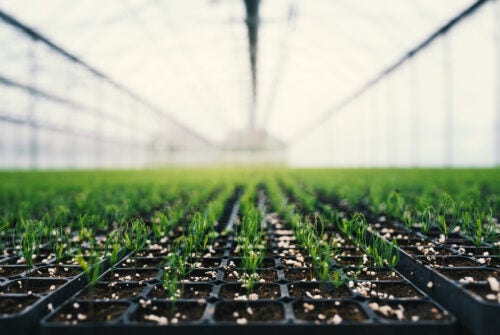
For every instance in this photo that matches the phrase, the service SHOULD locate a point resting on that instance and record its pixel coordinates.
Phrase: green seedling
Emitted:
(29, 237)
(4, 227)
(112, 249)
(171, 285)
(395, 205)
(135, 236)
(61, 243)
(91, 266)
(428, 215)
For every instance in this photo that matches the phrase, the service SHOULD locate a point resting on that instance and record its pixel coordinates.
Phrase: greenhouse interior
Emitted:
(323, 166)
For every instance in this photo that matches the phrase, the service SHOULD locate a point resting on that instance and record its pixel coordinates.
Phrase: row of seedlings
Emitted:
(382, 296)
(453, 251)
(147, 245)
(47, 258)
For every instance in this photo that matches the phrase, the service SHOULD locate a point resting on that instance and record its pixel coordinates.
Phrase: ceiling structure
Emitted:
(200, 60)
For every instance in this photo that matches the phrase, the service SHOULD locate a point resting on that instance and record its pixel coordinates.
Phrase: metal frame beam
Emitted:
(407, 56)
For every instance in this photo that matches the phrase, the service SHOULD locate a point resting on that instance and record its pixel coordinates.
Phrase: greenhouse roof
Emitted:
(191, 57)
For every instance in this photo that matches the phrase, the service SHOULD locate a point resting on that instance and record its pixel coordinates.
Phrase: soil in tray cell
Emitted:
(349, 261)
(56, 271)
(128, 275)
(348, 252)
(484, 291)
(469, 275)
(385, 290)
(77, 312)
(141, 262)
(329, 312)
(409, 311)
(157, 252)
(242, 312)
(114, 291)
(237, 263)
(204, 263)
(35, 286)
(493, 261)
(315, 290)
(190, 291)
(165, 312)
(203, 275)
(460, 242)
(11, 270)
(296, 262)
(236, 275)
(299, 274)
(259, 291)
(478, 251)
(14, 305)
(447, 261)
(411, 242)
(428, 251)
(367, 273)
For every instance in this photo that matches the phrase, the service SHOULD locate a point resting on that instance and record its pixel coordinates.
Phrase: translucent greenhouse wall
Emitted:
(57, 112)
(439, 108)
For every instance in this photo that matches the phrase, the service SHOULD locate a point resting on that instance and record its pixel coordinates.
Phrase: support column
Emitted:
(415, 111)
(32, 106)
(496, 59)
(391, 123)
(448, 102)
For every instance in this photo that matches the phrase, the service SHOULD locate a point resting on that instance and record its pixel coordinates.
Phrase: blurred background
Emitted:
(354, 83)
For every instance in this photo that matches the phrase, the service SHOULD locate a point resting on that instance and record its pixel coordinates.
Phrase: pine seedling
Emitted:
(171, 285)
(29, 240)
(112, 249)
(92, 269)
(428, 215)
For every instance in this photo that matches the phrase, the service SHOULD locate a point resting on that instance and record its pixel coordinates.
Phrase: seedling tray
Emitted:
(281, 304)
(445, 283)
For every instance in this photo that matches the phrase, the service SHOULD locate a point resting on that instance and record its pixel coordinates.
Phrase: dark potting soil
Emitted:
(140, 262)
(326, 311)
(461, 242)
(204, 263)
(443, 261)
(409, 311)
(11, 270)
(349, 252)
(242, 312)
(266, 263)
(294, 262)
(462, 274)
(412, 250)
(299, 274)
(483, 291)
(311, 290)
(203, 275)
(113, 291)
(13, 305)
(80, 312)
(266, 274)
(491, 261)
(397, 290)
(377, 274)
(56, 272)
(128, 275)
(33, 286)
(349, 261)
(264, 291)
(411, 242)
(165, 312)
(190, 291)
(13, 261)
